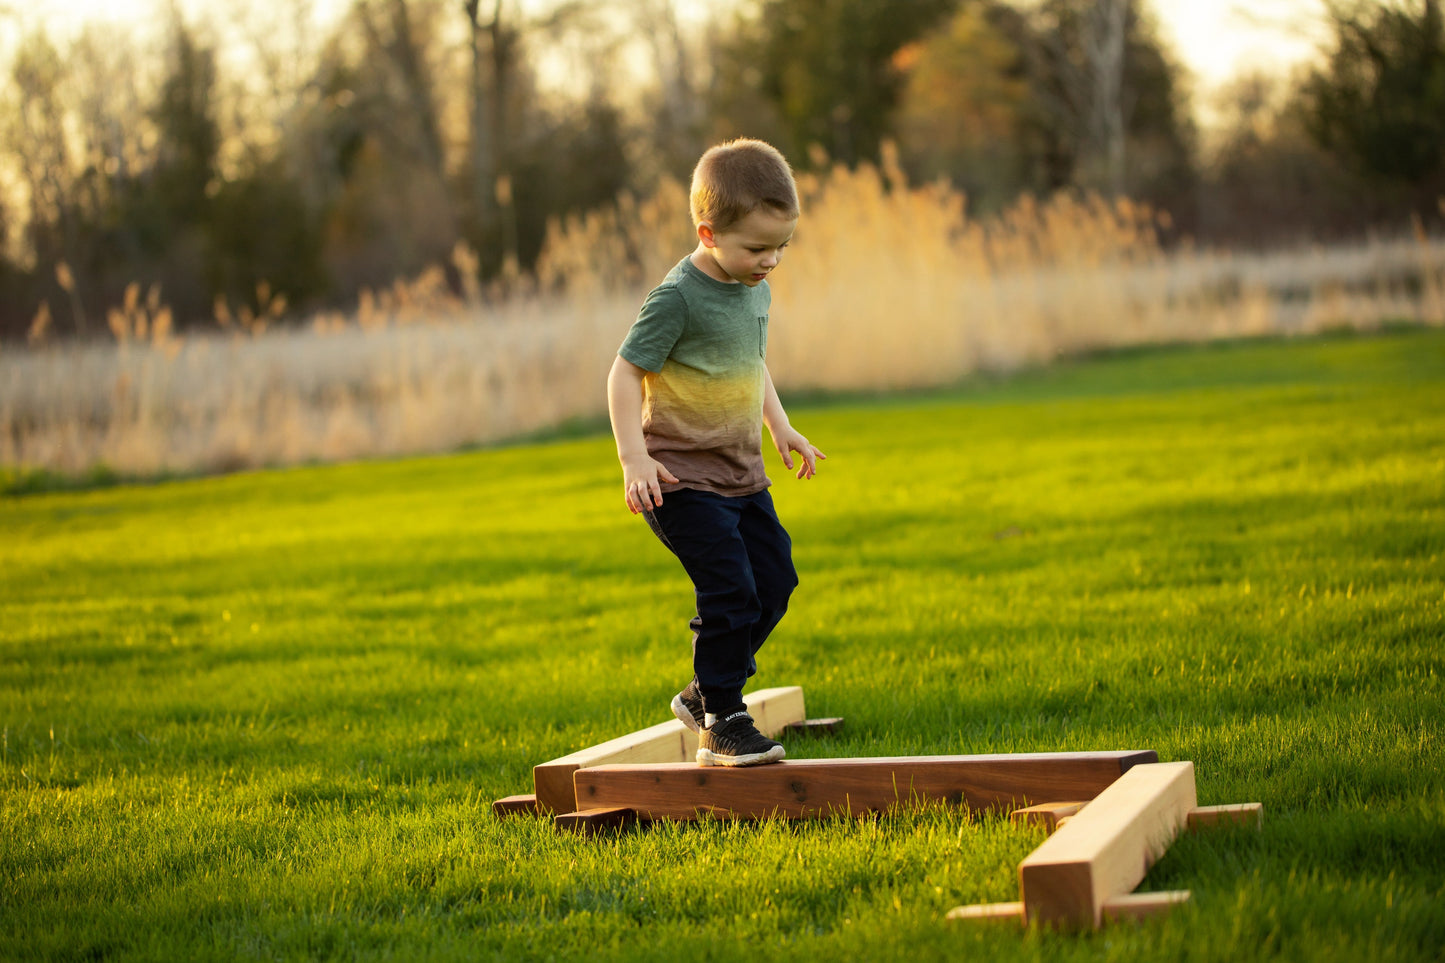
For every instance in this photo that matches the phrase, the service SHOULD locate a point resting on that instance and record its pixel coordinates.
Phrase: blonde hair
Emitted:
(734, 179)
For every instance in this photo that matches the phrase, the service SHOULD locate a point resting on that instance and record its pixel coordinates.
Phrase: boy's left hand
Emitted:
(790, 440)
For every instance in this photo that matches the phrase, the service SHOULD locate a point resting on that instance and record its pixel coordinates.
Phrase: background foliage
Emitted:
(247, 155)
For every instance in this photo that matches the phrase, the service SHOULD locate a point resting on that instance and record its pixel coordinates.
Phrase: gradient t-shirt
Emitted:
(703, 343)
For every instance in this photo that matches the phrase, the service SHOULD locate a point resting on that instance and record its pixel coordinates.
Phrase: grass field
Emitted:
(264, 716)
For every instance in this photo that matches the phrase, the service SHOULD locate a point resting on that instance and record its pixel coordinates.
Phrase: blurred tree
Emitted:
(156, 225)
(47, 145)
(1112, 114)
(262, 237)
(1055, 95)
(491, 59)
(188, 138)
(400, 33)
(509, 123)
(375, 134)
(818, 72)
(674, 136)
(1265, 180)
(36, 142)
(1379, 100)
(964, 108)
(571, 162)
(280, 48)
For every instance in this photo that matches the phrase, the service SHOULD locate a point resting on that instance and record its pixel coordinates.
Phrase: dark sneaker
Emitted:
(687, 706)
(733, 740)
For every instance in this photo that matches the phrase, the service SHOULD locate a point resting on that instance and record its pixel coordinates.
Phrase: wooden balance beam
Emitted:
(1105, 849)
(1085, 873)
(772, 711)
(811, 788)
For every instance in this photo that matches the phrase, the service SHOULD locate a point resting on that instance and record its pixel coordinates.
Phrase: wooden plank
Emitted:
(772, 710)
(814, 727)
(670, 741)
(516, 805)
(809, 788)
(1138, 906)
(987, 912)
(1047, 815)
(1250, 815)
(666, 742)
(590, 822)
(1130, 906)
(1105, 850)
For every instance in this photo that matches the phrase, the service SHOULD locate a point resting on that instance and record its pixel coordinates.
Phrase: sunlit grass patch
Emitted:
(265, 715)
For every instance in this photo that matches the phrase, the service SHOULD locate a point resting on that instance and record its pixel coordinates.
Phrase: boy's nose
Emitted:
(770, 260)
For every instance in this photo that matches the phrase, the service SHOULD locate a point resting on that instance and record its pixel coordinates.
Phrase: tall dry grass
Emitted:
(887, 286)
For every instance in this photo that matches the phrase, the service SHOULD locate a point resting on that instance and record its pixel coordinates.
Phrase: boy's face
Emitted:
(748, 250)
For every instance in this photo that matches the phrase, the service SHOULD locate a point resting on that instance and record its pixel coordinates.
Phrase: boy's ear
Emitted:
(705, 234)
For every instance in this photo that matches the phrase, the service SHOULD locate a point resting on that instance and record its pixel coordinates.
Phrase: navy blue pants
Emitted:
(740, 561)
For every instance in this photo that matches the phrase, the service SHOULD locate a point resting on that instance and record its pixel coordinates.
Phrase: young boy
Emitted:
(688, 394)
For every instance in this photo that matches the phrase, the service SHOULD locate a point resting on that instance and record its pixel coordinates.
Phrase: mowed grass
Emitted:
(264, 716)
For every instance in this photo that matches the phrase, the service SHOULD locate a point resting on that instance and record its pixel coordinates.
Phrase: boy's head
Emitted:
(734, 179)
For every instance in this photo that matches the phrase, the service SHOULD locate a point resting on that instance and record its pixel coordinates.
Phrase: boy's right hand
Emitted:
(640, 480)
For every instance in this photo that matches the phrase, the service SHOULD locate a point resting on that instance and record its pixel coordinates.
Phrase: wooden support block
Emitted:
(814, 727)
(1107, 847)
(772, 710)
(1130, 906)
(666, 742)
(670, 741)
(810, 788)
(988, 912)
(1138, 906)
(1048, 815)
(516, 805)
(590, 822)
(1239, 814)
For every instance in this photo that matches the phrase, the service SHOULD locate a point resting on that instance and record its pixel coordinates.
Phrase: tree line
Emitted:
(250, 165)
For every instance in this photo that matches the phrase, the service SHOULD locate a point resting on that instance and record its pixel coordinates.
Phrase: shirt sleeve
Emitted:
(658, 327)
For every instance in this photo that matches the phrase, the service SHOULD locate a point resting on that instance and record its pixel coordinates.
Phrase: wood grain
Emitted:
(814, 727)
(1130, 906)
(516, 805)
(1047, 815)
(1107, 847)
(670, 741)
(590, 822)
(988, 912)
(811, 788)
(1138, 906)
(1238, 814)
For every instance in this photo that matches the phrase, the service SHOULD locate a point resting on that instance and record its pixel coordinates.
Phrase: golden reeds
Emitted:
(887, 285)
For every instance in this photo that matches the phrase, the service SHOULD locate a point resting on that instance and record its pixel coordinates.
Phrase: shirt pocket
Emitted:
(763, 337)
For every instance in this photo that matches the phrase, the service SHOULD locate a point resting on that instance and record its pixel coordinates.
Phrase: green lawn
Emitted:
(264, 716)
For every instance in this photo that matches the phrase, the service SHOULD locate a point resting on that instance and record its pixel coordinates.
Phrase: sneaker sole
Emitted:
(684, 714)
(706, 757)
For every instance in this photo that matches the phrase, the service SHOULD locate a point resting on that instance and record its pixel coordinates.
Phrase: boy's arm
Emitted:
(640, 471)
(785, 437)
